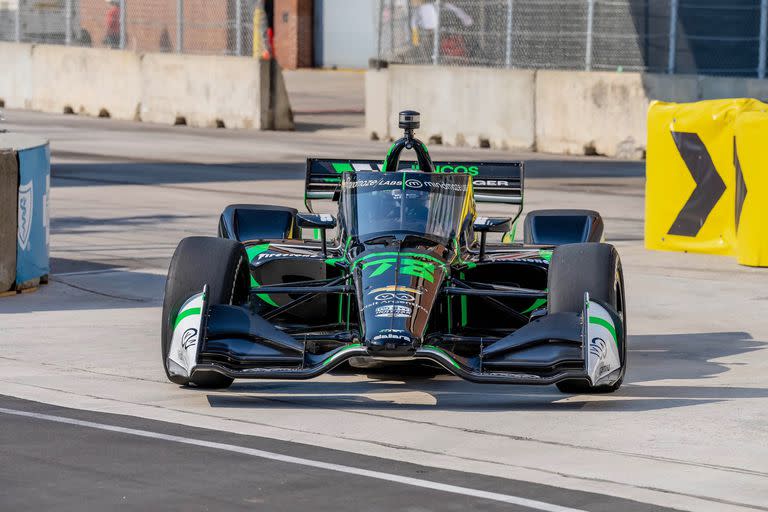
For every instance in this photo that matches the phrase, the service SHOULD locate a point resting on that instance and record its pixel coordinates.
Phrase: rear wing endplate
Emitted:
(493, 182)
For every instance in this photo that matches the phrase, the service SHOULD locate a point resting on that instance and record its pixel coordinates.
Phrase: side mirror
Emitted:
(485, 225)
(321, 221)
(316, 220)
(492, 224)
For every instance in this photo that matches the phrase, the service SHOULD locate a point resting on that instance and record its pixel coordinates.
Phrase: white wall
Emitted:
(345, 33)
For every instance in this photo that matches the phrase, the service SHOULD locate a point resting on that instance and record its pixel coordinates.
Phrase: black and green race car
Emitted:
(409, 276)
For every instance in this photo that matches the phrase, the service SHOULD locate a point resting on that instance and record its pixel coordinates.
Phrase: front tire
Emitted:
(594, 268)
(221, 264)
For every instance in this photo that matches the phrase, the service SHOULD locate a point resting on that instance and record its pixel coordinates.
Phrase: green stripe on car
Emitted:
(341, 167)
(604, 323)
(536, 305)
(443, 353)
(345, 349)
(184, 314)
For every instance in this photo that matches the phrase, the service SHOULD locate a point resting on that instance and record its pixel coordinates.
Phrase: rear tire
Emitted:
(221, 264)
(594, 268)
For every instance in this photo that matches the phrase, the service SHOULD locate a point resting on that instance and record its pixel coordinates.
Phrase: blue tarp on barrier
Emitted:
(33, 228)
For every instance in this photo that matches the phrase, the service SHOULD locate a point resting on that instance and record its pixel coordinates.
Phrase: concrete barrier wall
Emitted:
(15, 70)
(466, 106)
(600, 113)
(204, 89)
(566, 112)
(239, 92)
(86, 80)
(377, 109)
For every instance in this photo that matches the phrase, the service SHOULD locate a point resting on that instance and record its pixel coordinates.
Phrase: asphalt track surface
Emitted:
(74, 460)
(687, 431)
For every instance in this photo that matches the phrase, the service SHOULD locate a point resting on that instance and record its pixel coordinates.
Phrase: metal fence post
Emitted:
(436, 45)
(239, 27)
(122, 25)
(673, 5)
(179, 26)
(590, 26)
(508, 55)
(17, 24)
(763, 37)
(381, 28)
(68, 23)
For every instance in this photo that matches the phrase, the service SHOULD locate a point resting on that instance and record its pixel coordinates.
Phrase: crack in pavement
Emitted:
(103, 294)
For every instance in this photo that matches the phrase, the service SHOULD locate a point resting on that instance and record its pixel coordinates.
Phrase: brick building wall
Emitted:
(293, 22)
(207, 25)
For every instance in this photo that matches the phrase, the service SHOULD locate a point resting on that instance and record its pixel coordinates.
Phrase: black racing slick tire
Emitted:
(594, 268)
(221, 264)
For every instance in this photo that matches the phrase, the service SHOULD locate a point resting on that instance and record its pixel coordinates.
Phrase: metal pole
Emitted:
(17, 23)
(763, 38)
(122, 25)
(378, 40)
(590, 25)
(509, 34)
(392, 27)
(68, 23)
(179, 26)
(673, 4)
(392, 10)
(436, 46)
(239, 27)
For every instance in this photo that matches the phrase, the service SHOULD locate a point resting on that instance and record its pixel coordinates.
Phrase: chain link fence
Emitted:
(721, 37)
(215, 27)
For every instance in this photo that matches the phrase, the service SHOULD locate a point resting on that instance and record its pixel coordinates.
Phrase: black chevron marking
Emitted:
(709, 185)
(741, 186)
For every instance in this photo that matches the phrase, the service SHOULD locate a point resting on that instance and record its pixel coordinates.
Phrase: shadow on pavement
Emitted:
(88, 286)
(89, 225)
(163, 173)
(329, 120)
(140, 172)
(67, 266)
(685, 356)
(653, 357)
(583, 168)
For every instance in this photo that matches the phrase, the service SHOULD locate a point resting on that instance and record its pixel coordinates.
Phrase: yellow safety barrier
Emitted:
(751, 161)
(691, 193)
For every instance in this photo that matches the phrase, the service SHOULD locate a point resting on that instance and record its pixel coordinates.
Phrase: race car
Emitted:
(408, 275)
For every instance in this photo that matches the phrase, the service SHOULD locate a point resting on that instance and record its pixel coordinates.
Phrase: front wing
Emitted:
(238, 343)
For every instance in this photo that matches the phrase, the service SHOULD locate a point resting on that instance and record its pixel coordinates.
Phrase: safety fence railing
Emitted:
(722, 37)
(217, 27)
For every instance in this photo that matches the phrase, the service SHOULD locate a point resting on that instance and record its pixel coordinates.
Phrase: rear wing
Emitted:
(493, 182)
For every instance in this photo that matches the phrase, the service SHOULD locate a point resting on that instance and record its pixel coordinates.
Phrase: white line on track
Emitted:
(415, 482)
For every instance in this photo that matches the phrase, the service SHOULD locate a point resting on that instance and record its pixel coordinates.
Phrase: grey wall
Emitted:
(345, 32)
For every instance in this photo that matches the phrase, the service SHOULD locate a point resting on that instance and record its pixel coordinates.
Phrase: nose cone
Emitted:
(392, 343)
(396, 293)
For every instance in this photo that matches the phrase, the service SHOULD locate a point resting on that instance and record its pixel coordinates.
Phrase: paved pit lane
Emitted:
(687, 430)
